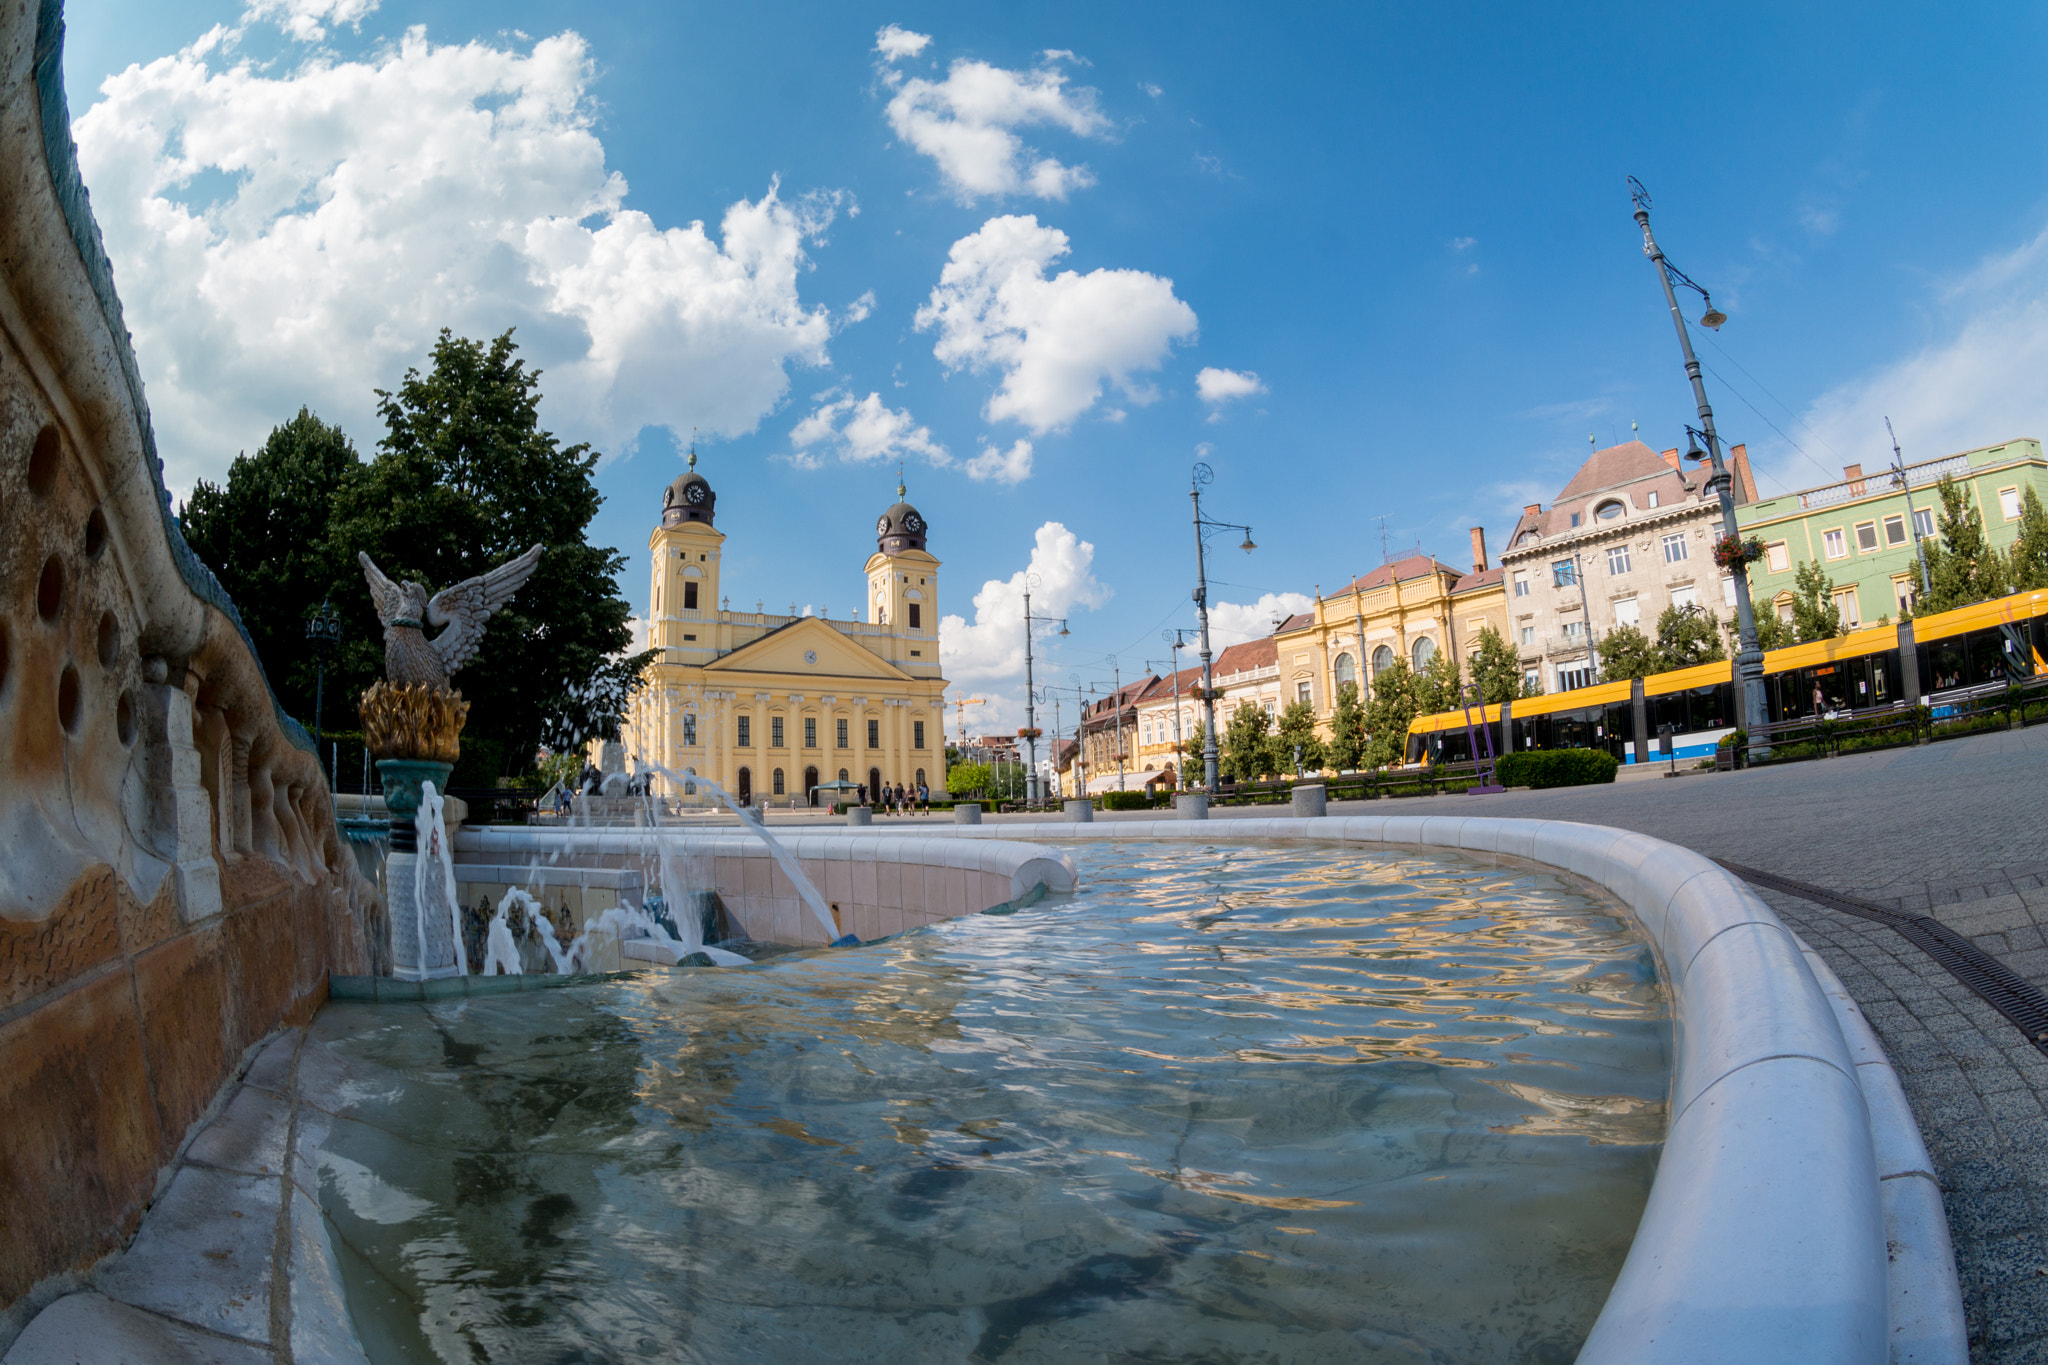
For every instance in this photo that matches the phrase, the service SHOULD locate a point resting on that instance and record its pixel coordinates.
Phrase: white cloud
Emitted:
(1463, 244)
(1002, 466)
(991, 650)
(862, 431)
(966, 124)
(895, 43)
(1232, 623)
(1217, 387)
(1149, 88)
(1984, 380)
(1057, 341)
(370, 203)
(307, 20)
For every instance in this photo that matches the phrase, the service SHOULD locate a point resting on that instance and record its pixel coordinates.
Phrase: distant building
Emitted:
(1632, 534)
(1857, 529)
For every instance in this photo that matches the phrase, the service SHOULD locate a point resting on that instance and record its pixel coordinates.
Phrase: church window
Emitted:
(689, 596)
(775, 738)
(920, 777)
(746, 736)
(780, 789)
(917, 734)
(916, 613)
(810, 732)
(841, 734)
(874, 734)
(689, 729)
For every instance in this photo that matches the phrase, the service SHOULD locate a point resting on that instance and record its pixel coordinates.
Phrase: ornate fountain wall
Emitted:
(172, 884)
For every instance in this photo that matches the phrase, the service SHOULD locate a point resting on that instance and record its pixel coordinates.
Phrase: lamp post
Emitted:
(1031, 789)
(1912, 522)
(323, 633)
(1749, 660)
(1204, 475)
(1116, 700)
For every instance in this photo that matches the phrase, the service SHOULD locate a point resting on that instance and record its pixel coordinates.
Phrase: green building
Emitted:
(1857, 529)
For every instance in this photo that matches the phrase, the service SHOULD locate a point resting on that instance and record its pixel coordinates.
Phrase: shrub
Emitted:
(1137, 800)
(1556, 768)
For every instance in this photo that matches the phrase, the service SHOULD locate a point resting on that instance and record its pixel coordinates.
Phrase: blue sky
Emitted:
(1409, 224)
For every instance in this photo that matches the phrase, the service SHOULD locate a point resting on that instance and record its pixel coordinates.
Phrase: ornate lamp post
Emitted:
(1029, 734)
(1749, 660)
(1204, 475)
(323, 633)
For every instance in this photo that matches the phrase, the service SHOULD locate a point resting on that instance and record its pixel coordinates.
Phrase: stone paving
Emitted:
(1959, 831)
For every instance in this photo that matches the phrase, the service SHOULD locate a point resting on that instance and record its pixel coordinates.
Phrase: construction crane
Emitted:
(961, 704)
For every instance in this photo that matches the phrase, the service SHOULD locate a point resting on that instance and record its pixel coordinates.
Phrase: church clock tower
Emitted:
(903, 589)
(683, 552)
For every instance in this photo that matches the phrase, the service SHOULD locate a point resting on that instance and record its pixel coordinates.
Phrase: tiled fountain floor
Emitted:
(1957, 830)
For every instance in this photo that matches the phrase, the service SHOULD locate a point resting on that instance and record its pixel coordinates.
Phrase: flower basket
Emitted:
(1029, 732)
(1732, 552)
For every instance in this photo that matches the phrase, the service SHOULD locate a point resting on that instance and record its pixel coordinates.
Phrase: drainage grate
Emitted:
(1996, 984)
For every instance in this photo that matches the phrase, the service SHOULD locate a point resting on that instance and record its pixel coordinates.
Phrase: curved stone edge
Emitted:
(1795, 1214)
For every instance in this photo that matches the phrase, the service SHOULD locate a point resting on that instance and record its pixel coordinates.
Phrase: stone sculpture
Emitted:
(410, 658)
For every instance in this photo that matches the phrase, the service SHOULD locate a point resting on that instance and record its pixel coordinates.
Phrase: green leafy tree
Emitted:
(1496, 668)
(1439, 686)
(1687, 635)
(2027, 561)
(1962, 567)
(968, 779)
(1815, 616)
(465, 478)
(1192, 772)
(1346, 750)
(1772, 631)
(1298, 731)
(1625, 652)
(1395, 703)
(265, 534)
(1248, 745)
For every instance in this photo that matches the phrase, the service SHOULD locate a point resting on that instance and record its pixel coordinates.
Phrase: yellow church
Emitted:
(771, 707)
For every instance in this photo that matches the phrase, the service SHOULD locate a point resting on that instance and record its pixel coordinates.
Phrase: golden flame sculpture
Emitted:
(414, 720)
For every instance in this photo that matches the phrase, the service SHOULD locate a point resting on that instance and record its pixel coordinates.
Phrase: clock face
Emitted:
(810, 656)
(913, 523)
(694, 493)
(882, 527)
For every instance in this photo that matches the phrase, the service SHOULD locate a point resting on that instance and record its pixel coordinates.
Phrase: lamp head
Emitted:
(1695, 453)
(1247, 547)
(1064, 630)
(1713, 317)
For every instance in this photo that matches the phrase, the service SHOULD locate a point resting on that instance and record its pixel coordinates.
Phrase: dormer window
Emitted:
(1653, 497)
(1575, 519)
(1607, 511)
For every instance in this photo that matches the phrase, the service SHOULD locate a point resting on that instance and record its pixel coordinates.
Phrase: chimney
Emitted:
(1532, 509)
(1745, 482)
(1854, 474)
(1479, 549)
(1671, 457)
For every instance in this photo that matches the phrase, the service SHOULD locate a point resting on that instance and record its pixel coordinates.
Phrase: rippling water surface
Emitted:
(1281, 1104)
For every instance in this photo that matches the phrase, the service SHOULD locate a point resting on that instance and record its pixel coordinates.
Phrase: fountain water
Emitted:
(433, 846)
(788, 864)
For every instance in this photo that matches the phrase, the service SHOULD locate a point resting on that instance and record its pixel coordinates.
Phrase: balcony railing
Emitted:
(1922, 475)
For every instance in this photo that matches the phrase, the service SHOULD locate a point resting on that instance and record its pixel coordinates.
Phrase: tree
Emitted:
(2027, 562)
(1771, 630)
(1394, 704)
(1686, 636)
(1298, 733)
(1625, 652)
(464, 479)
(1248, 745)
(1815, 615)
(265, 534)
(1439, 686)
(1962, 567)
(1192, 769)
(1346, 750)
(968, 779)
(1496, 668)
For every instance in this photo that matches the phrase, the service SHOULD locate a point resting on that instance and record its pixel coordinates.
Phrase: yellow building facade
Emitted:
(771, 707)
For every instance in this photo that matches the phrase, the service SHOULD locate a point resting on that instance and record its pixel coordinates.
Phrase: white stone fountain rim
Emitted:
(1795, 1216)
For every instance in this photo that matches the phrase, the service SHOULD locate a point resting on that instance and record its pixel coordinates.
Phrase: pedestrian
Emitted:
(924, 799)
(899, 799)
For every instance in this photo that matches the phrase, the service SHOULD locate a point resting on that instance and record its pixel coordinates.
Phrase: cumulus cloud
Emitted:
(966, 122)
(301, 236)
(1979, 383)
(1218, 387)
(1002, 466)
(895, 43)
(307, 20)
(1057, 340)
(1232, 623)
(862, 431)
(990, 651)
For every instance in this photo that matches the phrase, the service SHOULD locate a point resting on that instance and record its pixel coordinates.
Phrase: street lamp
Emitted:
(1029, 734)
(1749, 660)
(1912, 517)
(323, 633)
(1203, 475)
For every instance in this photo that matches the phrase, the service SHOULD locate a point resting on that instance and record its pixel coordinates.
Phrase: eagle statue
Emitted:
(404, 608)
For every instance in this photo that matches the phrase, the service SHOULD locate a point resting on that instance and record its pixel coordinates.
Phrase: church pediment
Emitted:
(809, 646)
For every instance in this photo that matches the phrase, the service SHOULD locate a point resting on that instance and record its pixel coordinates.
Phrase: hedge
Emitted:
(1556, 768)
(1137, 800)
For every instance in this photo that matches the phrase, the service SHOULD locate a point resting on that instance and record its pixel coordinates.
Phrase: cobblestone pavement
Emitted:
(1959, 831)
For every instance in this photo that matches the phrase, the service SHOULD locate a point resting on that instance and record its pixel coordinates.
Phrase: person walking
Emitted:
(924, 799)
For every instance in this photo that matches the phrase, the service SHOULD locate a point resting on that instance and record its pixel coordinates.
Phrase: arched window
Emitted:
(920, 777)
(780, 788)
(1382, 660)
(1347, 671)
(689, 788)
(1422, 651)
